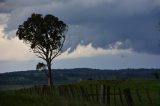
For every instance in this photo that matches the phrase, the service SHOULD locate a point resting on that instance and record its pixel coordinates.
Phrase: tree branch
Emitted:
(59, 51)
(41, 57)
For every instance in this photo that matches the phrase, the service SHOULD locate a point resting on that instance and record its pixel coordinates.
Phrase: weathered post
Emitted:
(129, 99)
(120, 96)
(108, 96)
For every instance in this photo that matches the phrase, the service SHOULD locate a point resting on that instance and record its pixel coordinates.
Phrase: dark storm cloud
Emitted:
(3, 7)
(100, 22)
(2, 1)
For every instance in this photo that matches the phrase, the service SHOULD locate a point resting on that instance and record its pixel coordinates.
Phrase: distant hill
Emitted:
(61, 76)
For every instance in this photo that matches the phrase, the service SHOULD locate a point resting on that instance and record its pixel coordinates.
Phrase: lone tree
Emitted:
(45, 35)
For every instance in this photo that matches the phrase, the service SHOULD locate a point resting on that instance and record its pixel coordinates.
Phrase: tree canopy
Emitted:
(45, 35)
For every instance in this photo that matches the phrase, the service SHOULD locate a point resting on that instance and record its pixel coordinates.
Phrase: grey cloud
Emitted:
(3, 7)
(100, 22)
(2, 1)
(3, 18)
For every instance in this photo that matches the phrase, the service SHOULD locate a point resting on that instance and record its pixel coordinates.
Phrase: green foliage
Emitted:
(45, 35)
(86, 93)
(40, 66)
(42, 32)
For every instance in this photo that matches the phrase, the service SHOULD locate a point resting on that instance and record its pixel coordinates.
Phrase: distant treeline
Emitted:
(61, 76)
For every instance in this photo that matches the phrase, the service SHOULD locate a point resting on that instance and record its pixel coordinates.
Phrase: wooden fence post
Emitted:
(104, 93)
(115, 95)
(108, 96)
(149, 98)
(97, 93)
(92, 92)
(139, 96)
(84, 93)
(120, 96)
(127, 94)
(101, 94)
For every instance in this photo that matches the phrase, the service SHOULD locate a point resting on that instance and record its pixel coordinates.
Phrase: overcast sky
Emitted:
(105, 34)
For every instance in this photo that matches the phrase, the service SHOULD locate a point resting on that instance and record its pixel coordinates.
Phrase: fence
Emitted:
(104, 95)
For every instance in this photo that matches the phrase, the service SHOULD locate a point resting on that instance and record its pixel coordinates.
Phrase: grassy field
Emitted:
(85, 93)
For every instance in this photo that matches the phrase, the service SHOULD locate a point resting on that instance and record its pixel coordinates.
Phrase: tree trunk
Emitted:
(49, 74)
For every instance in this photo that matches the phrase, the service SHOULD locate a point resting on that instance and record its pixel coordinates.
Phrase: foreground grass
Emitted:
(134, 84)
(11, 98)
(70, 95)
